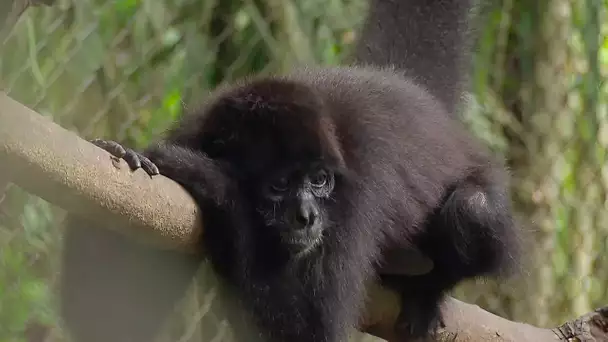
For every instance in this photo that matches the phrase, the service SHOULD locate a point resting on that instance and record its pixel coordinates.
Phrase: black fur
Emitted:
(409, 181)
(428, 40)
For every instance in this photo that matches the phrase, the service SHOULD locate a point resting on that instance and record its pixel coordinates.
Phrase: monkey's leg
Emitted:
(472, 234)
(420, 314)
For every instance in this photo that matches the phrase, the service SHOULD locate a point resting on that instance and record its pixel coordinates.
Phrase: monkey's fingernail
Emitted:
(116, 162)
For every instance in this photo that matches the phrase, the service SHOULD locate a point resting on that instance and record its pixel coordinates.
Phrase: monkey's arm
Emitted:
(198, 174)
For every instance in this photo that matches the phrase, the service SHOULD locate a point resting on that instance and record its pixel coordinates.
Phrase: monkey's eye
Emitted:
(280, 185)
(319, 179)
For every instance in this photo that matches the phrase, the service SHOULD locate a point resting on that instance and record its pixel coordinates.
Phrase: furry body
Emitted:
(408, 177)
(415, 200)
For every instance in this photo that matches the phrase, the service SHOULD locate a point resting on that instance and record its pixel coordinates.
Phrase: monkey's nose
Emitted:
(306, 216)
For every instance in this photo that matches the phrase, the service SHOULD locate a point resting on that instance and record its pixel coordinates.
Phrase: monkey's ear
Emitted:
(405, 261)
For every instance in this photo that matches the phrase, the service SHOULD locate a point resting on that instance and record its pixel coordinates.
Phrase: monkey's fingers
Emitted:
(134, 159)
(110, 146)
(137, 160)
(147, 165)
(417, 320)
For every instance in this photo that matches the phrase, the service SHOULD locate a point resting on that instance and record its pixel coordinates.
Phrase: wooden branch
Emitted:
(62, 168)
(464, 322)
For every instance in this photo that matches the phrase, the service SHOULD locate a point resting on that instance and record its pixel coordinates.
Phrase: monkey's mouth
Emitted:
(304, 241)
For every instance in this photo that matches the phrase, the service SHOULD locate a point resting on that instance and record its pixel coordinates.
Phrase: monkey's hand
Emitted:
(135, 160)
(421, 297)
(418, 321)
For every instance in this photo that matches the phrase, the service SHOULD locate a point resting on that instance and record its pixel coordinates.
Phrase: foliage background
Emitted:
(126, 69)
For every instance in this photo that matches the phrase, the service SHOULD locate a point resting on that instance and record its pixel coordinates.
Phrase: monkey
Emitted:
(312, 184)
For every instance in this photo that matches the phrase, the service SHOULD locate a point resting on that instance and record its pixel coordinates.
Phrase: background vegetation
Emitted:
(126, 69)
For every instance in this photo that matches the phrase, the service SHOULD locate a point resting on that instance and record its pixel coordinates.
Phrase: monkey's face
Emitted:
(292, 205)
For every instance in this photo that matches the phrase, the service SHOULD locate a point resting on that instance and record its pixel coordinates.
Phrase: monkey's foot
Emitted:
(134, 159)
(418, 325)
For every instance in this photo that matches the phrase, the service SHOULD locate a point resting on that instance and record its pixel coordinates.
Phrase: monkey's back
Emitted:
(397, 137)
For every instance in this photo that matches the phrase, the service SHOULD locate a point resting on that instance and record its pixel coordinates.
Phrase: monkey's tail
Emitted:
(429, 40)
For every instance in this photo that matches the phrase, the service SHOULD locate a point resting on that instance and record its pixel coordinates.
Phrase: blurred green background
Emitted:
(126, 69)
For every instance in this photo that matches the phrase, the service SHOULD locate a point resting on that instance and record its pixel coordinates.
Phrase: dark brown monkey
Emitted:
(311, 185)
